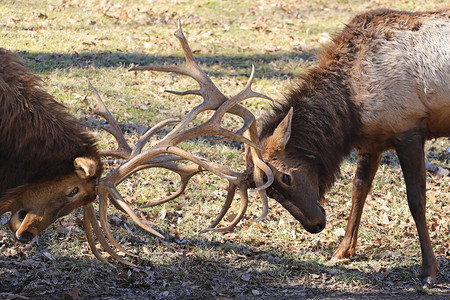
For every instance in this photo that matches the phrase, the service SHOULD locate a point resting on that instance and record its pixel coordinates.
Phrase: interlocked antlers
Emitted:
(166, 154)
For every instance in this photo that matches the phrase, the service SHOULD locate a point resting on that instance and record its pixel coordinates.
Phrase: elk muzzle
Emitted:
(21, 233)
(311, 216)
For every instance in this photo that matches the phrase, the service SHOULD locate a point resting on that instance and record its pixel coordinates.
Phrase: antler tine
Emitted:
(148, 135)
(253, 156)
(265, 202)
(212, 96)
(103, 206)
(90, 215)
(90, 237)
(184, 171)
(174, 195)
(115, 196)
(231, 191)
(243, 208)
(246, 93)
(123, 150)
(191, 68)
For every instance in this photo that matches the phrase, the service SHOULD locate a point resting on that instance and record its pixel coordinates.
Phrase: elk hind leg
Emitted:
(367, 166)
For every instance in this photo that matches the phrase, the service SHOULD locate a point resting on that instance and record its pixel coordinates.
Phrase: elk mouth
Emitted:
(312, 225)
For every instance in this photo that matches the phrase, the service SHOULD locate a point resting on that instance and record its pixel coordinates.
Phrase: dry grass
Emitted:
(67, 41)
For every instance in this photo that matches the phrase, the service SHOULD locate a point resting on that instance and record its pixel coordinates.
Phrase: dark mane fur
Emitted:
(39, 138)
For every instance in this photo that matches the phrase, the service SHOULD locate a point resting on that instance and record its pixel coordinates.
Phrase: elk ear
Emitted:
(85, 167)
(282, 133)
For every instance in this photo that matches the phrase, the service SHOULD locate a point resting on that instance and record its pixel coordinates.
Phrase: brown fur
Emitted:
(383, 82)
(321, 125)
(39, 138)
(327, 115)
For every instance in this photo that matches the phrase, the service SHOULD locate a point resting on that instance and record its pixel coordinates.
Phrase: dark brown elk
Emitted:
(383, 83)
(49, 164)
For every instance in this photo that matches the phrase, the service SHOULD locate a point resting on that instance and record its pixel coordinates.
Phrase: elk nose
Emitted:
(318, 228)
(319, 224)
(315, 228)
(22, 214)
(25, 237)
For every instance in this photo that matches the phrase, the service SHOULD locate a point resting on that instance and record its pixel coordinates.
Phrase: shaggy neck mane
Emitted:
(324, 121)
(39, 138)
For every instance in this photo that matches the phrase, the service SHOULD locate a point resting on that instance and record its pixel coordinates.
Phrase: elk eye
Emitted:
(286, 179)
(73, 192)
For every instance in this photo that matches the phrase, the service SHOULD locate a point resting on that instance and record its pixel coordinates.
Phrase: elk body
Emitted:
(48, 162)
(384, 82)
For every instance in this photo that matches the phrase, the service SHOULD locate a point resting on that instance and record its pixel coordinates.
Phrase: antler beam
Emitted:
(165, 153)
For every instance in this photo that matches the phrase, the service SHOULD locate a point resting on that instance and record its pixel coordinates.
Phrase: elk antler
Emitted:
(166, 154)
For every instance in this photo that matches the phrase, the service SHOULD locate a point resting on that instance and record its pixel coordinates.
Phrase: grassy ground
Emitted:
(67, 41)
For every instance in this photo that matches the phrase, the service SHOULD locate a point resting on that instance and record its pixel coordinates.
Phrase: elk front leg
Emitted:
(367, 166)
(412, 160)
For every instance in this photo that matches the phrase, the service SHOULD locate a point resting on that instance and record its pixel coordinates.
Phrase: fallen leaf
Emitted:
(246, 276)
(162, 213)
(73, 293)
(339, 232)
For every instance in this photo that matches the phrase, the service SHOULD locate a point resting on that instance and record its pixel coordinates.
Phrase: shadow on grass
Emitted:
(241, 65)
(389, 157)
(237, 271)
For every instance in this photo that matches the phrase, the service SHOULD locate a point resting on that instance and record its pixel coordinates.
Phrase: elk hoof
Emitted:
(428, 282)
(339, 261)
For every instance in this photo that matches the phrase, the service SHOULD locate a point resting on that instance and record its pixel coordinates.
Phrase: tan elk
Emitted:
(383, 83)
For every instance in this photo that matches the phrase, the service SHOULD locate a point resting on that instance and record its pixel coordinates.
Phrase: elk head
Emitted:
(35, 206)
(296, 178)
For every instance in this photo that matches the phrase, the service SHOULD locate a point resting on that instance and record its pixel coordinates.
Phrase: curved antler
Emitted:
(166, 153)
